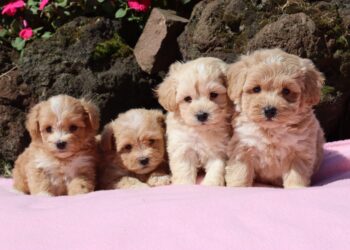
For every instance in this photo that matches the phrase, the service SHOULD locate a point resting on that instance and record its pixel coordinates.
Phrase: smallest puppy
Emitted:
(133, 151)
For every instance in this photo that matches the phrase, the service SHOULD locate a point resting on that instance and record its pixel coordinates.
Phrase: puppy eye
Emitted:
(188, 99)
(128, 147)
(73, 128)
(213, 95)
(285, 91)
(257, 89)
(48, 129)
(151, 142)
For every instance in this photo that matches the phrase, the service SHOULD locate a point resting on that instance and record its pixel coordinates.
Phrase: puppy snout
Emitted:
(270, 112)
(61, 144)
(202, 116)
(144, 161)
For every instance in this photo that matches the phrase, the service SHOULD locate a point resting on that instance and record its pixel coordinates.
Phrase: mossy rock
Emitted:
(114, 47)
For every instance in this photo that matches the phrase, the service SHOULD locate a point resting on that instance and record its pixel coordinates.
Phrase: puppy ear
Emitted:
(236, 76)
(161, 119)
(108, 138)
(93, 114)
(166, 91)
(313, 82)
(32, 122)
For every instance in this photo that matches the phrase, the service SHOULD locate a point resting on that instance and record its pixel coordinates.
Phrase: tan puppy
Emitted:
(133, 151)
(277, 138)
(62, 156)
(198, 127)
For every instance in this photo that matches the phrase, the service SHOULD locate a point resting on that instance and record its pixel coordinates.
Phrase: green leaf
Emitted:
(3, 33)
(120, 13)
(185, 1)
(100, 1)
(38, 29)
(62, 3)
(18, 43)
(46, 35)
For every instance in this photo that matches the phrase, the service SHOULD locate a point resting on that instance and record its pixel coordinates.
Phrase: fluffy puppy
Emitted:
(133, 151)
(198, 129)
(62, 155)
(277, 139)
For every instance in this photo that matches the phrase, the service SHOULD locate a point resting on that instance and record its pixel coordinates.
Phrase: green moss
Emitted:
(113, 47)
(5, 169)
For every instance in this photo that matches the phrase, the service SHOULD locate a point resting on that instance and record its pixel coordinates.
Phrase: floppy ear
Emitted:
(93, 114)
(166, 91)
(108, 138)
(161, 119)
(32, 122)
(236, 76)
(313, 82)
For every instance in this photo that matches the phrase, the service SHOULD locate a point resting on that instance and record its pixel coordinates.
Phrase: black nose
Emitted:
(61, 144)
(202, 116)
(144, 161)
(270, 112)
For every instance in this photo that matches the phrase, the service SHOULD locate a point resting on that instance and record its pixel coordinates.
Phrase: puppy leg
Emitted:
(215, 173)
(294, 179)
(130, 182)
(39, 183)
(239, 174)
(80, 185)
(183, 168)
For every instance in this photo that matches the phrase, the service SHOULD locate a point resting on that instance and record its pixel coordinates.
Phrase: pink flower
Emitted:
(26, 33)
(10, 9)
(43, 3)
(139, 5)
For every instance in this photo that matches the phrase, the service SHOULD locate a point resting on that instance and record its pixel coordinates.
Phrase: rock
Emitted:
(295, 33)
(157, 47)
(88, 58)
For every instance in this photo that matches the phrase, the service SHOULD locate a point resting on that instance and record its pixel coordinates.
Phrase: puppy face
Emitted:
(63, 124)
(137, 138)
(272, 87)
(196, 91)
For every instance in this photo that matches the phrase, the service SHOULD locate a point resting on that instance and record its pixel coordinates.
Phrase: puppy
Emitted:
(133, 151)
(198, 129)
(277, 139)
(62, 155)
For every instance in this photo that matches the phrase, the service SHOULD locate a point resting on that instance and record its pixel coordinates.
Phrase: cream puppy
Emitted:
(62, 155)
(133, 151)
(277, 139)
(198, 130)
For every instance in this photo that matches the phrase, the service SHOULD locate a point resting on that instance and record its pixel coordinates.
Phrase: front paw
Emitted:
(80, 187)
(160, 180)
(213, 182)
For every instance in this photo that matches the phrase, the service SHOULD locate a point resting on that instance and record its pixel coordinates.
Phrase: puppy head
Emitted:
(63, 124)
(196, 91)
(137, 138)
(272, 87)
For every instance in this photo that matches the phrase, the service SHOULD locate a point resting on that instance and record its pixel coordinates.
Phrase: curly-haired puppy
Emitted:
(198, 129)
(277, 139)
(62, 155)
(133, 151)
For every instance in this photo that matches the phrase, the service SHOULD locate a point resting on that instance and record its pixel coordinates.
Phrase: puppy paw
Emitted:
(213, 182)
(44, 194)
(161, 180)
(79, 186)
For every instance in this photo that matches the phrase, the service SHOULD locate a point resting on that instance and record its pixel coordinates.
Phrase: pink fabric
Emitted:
(187, 217)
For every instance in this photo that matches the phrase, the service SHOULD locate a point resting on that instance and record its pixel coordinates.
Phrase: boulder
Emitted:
(157, 47)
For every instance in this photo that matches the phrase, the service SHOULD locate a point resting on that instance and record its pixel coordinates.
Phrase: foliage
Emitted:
(21, 21)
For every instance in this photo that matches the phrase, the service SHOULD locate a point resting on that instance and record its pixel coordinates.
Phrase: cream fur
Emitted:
(287, 149)
(192, 144)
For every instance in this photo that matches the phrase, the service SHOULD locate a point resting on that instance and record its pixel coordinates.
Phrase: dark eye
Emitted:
(257, 89)
(151, 142)
(285, 91)
(128, 147)
(213, 95)
(73, 128)
(188, 99)
(48, 129)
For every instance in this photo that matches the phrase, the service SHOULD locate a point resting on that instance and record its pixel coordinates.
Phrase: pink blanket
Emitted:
(187, 217)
